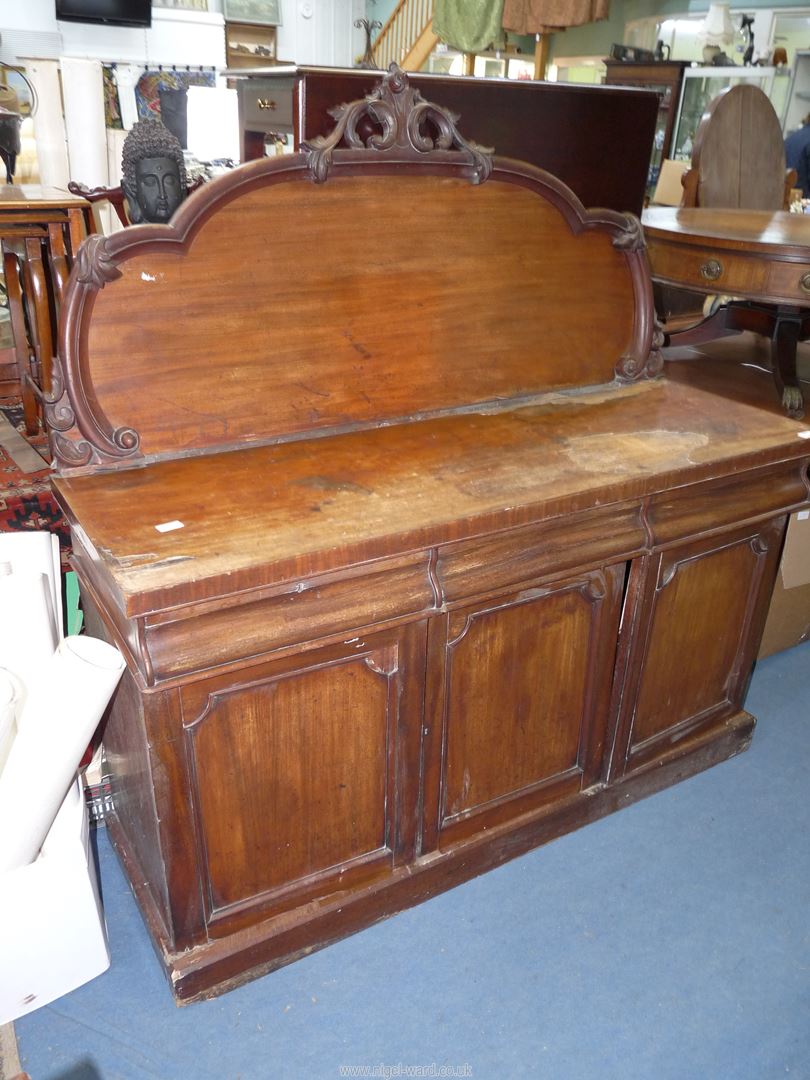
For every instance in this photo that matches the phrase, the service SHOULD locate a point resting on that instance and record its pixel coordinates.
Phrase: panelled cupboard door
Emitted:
(704, 609)
(305, 773)
(519, 704)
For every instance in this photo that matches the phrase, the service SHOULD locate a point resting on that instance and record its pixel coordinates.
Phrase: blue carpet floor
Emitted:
(670, 941)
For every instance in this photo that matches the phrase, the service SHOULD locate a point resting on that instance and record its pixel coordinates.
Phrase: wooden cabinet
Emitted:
(700, 612)
(518, 699)
(311, 772)
(666, 79)
(606, 164)
(450, 570)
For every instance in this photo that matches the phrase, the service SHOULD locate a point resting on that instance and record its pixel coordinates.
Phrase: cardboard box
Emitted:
(788, 621)
(52, 932)
(669, 189)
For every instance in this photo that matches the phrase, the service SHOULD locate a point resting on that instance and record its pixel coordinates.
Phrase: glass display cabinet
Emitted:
(684, 91)
(701, 84)
(799, 97)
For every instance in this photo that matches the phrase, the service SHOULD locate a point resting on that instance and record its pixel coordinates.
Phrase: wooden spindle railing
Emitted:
(407, 37)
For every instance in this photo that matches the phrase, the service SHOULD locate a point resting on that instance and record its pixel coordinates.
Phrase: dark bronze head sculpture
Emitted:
(9, 141)
(154, 172)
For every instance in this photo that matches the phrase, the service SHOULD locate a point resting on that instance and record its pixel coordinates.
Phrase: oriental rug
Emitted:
(26, 500)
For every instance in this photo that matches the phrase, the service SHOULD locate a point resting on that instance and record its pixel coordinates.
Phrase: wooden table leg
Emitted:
(80, 223)
(11, 272)
(39, 311)
(709, 329)
(60, 270)
(786, 335)
(785, 325)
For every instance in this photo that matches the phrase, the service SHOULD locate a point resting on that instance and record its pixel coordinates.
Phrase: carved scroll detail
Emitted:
(631, 236)
(60, 418)
(629, 367)
(402, 113)
(655, 364)
(95, 264)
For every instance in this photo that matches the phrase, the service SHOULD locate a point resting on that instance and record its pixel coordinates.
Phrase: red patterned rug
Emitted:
(26, 501)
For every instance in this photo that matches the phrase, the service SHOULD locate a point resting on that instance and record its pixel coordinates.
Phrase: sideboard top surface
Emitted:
(329, 503)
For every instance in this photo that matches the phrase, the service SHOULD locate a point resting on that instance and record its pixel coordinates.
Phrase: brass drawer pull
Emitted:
(711, 270)
(804, 283)
(264, 103)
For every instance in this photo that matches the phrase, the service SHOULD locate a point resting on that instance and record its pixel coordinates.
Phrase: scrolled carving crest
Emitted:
(631, 236)
(61, 418)
(655, 364)
(402, 113)
(95, 265)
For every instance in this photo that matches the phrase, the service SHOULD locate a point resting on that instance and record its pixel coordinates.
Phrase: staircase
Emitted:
(407, 37)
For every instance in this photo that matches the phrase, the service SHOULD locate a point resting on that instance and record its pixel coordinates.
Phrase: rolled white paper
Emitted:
(83, 95)
(61, 712)
(38, 553)
(126, 78)
(28, 630)
(11, 697)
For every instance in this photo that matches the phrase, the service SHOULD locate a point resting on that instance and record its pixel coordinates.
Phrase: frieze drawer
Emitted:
(266, 105)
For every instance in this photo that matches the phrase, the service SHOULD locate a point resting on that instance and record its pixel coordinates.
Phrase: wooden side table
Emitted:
(40, 232)
(759, 260)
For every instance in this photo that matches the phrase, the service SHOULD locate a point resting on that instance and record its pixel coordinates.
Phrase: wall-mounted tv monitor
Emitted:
(109, 12)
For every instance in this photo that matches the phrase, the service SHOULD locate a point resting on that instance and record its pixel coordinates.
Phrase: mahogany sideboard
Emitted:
(416, 559)
(597, 139)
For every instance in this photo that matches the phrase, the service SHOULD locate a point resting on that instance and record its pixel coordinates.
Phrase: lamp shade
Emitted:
(717, 28)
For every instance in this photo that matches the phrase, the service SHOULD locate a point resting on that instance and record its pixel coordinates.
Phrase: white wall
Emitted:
(312, 32)
(175, 37)
(321, 32)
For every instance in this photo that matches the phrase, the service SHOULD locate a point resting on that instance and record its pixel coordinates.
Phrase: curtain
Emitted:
(468, 25)
(540, 16)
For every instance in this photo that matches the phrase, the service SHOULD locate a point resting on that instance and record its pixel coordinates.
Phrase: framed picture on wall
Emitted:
(263, 12)
(182, 5)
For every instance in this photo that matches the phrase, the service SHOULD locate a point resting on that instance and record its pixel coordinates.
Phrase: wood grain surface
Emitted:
(327, 503)
(339, 304)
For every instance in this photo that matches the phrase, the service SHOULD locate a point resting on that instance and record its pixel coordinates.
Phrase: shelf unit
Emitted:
(249, 45)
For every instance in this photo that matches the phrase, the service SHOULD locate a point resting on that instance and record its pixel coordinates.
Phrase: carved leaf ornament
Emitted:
(402, 113)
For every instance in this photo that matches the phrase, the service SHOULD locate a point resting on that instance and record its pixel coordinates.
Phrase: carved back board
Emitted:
(338, 288)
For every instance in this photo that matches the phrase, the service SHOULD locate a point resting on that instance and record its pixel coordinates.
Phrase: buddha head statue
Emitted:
(154, 172)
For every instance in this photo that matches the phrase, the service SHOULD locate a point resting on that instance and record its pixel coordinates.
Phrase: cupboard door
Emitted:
(520, 702)
(702, 612)
(305, 772)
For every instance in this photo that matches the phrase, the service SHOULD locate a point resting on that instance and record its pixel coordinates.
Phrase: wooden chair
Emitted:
(739, 155)
(114, 196)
